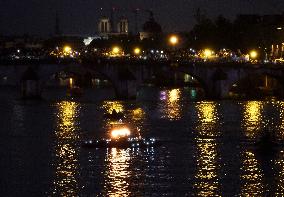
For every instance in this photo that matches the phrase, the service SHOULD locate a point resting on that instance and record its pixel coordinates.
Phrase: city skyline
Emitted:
(81, 17)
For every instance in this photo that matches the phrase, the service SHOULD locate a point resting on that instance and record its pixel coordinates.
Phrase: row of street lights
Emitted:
(173, 40)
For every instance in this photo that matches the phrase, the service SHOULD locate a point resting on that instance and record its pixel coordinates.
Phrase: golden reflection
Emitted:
(280, 128)
(207, 118)
(251, 176)
(207, 181)
(66, 161)
(171, 105)
(279, 163)
(108, 107)
(138, 114)
(118, 173)
(252, 118)
(113, 105)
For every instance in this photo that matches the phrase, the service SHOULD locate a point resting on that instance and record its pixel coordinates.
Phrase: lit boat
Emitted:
(121, 137)
(121, 143)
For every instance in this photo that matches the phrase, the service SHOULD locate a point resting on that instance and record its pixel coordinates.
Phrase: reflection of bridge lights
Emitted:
(174, 95)
(252, 118)
(171, 103)
(251, 176)
(109, 106)
(279, 163)
(66, 161)
(138, 114)
(280, 127)
(207, 183)
(163, 95)
(207, 118)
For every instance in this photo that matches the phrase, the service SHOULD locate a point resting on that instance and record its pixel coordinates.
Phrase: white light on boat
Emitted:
(121, 132)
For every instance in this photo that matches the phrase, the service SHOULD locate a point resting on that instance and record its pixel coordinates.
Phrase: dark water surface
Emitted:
(208, 147)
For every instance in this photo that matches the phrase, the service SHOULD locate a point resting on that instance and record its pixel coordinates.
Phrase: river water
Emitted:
(207, 146)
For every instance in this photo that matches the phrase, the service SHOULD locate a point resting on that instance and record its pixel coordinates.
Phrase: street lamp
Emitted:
(137, 51)
(253, 54)
(67, 49)
(207, 53)
(115, 50)
(173, 40)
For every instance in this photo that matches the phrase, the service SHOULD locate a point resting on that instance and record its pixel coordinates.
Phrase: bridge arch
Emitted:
(257, 85)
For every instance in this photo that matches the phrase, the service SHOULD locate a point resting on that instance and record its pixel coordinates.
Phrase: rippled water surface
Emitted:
(208, 147)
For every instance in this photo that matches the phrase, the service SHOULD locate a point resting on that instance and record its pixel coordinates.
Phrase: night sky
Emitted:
(37, 17)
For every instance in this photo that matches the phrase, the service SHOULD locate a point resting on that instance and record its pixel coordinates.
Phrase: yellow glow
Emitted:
(252, 118)
(137, 51)
(71, 82)
(208, 53)
(120, 133)
(115, 50)
(280, 128)
(138, 114)
(251, 176)
(111, 105)
(117, 173)
(173, 39)
(170, 105)
(66, 152)
(207, 180)
(279, 174)
(253, 54)
(67, 49)
(207, 118)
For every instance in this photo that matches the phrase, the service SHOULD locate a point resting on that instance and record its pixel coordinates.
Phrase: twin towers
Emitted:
(106, 26)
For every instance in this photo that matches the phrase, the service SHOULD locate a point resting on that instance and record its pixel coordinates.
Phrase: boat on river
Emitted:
(114, 116)
(121, 143)
(121, 137)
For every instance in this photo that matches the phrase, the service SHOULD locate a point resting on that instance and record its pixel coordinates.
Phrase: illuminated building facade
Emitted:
(106, 28)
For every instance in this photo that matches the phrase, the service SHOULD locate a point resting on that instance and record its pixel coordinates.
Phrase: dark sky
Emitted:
(81, 16)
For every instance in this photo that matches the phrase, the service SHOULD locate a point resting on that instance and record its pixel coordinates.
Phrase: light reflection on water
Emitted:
(170, 104)
(108, 106)
(252, 121)
(118, 173)
(66, 154)
(199, 142)
(279, 165)
(280, 127)
(252, 183)
(207, 180)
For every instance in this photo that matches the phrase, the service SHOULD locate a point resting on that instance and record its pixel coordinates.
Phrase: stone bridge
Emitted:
(218, 78)
(127, 76)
